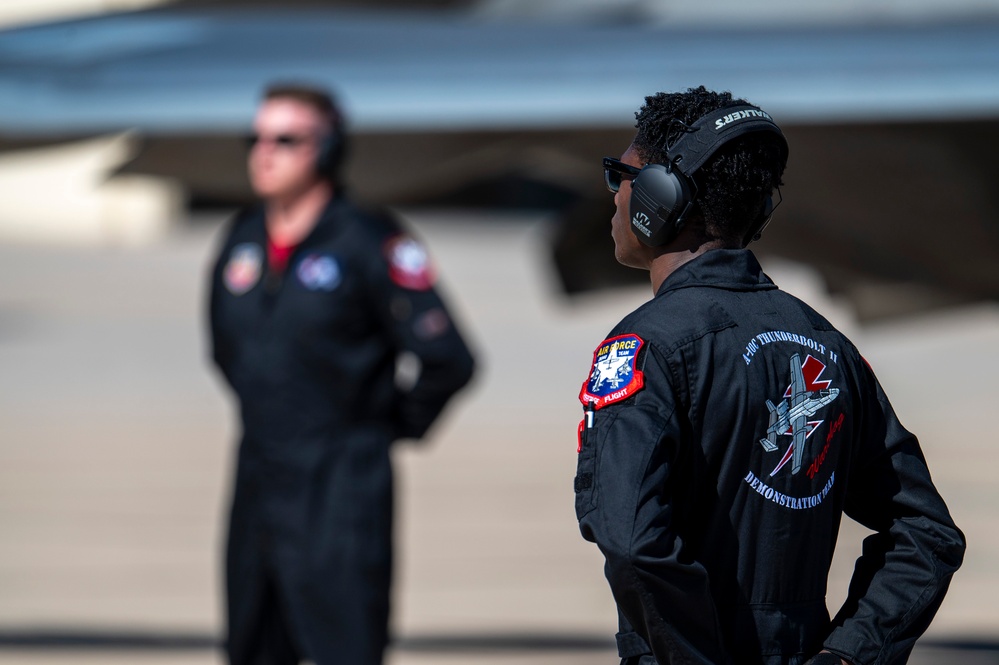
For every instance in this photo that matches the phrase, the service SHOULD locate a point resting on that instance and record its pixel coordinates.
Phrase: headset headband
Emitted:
(696, 145)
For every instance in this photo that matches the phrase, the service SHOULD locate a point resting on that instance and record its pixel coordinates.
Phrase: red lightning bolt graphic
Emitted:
(784, 460)
(811, 370)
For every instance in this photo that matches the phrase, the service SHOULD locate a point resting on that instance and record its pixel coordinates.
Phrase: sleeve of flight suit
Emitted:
(402, 281)
(628, 459)
(219, 350)
(906, 566)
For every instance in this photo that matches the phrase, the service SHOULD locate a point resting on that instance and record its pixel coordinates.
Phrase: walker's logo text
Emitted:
(613, 375)
(720, 123)
(790, 418)
(641, 222)
(319, 272)
(243, 269)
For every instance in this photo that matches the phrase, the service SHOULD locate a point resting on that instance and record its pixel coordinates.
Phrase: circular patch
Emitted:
(431, 324)
(242, 272)
(409, 263)
(319, 272)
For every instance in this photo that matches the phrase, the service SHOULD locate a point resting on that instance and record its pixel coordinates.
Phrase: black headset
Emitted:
(330, 153)
(332, 148)
(663, 194)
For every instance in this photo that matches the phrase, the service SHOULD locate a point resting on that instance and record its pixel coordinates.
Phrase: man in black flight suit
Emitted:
(313, 302)
(727, 427)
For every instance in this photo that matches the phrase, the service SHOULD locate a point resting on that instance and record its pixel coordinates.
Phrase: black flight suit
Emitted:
(311, 354)
(729, 426)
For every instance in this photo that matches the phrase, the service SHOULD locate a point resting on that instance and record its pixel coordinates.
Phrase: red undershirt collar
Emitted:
(278, 255)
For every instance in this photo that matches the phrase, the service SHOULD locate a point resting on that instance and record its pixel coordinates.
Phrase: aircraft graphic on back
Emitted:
(790, 417)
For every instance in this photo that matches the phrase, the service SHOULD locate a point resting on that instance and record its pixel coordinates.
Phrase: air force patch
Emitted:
(614, 375)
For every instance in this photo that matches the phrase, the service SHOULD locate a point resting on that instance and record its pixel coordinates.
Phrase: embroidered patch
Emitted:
(805, 395)
(242, 271)
(614, 375)
(409, 263)
(319, 272)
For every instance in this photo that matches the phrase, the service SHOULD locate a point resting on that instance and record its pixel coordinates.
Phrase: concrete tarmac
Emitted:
(116, 439)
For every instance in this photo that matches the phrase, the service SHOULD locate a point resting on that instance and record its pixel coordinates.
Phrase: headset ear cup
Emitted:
(329, 155)
(761, 222)
(659, 200)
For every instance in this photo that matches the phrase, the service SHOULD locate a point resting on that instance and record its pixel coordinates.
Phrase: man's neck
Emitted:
(668, 262)
(290, 220)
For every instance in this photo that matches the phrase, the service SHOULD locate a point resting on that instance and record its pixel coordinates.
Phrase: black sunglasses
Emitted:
(280, 140)
(616, 172)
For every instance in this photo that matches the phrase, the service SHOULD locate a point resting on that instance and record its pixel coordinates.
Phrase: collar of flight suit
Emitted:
(730, 269)
(326, 225)
(329, 222)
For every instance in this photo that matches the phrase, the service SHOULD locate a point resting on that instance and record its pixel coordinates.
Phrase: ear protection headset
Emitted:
(333, 147)
(663, 194)
(330, 152)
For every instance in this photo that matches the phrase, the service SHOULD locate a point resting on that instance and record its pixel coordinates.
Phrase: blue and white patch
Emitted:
(614, 375)
(319, 272)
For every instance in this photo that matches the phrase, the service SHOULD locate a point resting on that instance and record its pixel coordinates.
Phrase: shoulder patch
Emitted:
(242, 271)
(409, 263)
(614, 375)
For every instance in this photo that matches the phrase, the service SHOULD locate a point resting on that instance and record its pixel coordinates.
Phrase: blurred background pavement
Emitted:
(117, 440)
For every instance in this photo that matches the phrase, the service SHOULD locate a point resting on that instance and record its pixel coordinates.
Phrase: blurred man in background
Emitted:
(313, 302)
(727, 427)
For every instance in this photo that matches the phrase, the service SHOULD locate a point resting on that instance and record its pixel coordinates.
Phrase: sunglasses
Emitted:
(279, 140)
(616, 172)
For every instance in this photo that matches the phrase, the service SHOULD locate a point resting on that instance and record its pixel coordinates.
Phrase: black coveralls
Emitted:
(717, 536)
(311, 354)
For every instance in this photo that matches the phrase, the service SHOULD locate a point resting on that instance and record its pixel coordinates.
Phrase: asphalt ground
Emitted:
(116, 439)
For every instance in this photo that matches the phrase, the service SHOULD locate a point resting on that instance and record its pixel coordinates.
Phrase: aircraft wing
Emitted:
(201, 69)
(798, 388)
(894, 141)
(799, 434)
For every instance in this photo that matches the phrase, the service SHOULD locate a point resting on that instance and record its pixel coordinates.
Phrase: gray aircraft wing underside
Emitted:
(894, 142)
(200, 70)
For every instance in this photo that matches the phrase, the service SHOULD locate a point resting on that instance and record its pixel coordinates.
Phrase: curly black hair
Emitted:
(732, 186)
